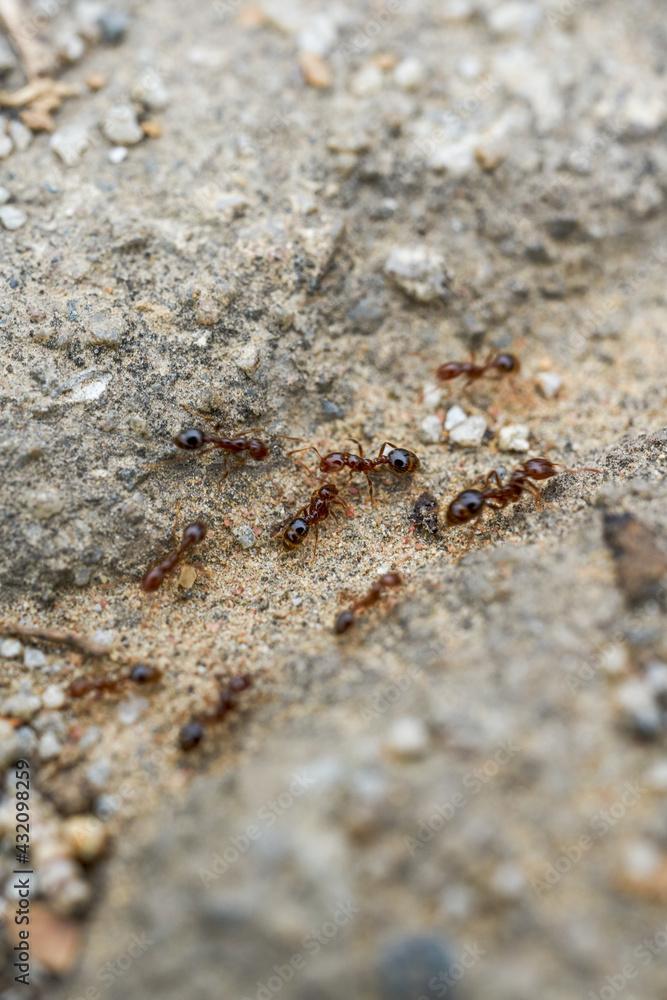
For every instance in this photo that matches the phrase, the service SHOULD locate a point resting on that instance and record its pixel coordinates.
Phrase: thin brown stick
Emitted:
(37, 58)
(80, 642)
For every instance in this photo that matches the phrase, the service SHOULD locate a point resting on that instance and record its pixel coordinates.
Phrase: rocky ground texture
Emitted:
(285, 216)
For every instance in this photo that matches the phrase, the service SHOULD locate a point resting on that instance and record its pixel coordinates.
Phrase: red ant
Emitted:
(501, 364)
(317, 510)
(469, 505)
(346, 619)
(154, 578)
(141, 673)
(194, 439)
(400, 461)
(192, 733)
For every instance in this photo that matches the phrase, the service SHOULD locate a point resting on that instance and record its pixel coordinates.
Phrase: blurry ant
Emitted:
(141, 673)
(319, 508)
(192, 733)
(470, 504)
(154, 578)
(500, 364)
(400, 461)
(346, 619)
(194, 439)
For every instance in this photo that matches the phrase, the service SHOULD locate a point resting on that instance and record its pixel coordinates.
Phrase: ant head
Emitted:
(257, 449)
(507, 363)
(327, 491)
(465, 507)
(390, 580)
(295, 533)
(403, 461)
(344, 621)
(190, 735)
(194, 533)
(191, 439)
(143, 673)
(153, 579)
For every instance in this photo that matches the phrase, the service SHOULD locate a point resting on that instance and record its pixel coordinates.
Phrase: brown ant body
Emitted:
(241, 445)
(346, 619)
(470, 504)
(141, 673)
(154, 578)
(192, 733)
(319, 509)
(500, 364)
(399, 461)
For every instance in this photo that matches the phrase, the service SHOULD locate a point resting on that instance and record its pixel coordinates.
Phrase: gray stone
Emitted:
(408, 964)
(419, 271)
(121, 127)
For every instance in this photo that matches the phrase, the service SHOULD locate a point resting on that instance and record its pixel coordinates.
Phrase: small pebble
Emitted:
(117, 154)
(315, 69)
(131, 709)
(4, 195)
(248, 360)
(70, 46)
(21, 706)
(514, 437)
(99, 772)
(121, 126)
(409, 964)
(53, 697)
(113, 26)
(549, 383)
(430, 429)
(187, 577)
(407, 738)
(49, 746)
(61, 881)
(10, 648)
(367, 81)
(432, 396)
(12, 217)
(419, 271)
(87, 837)
(639, 709)
(455, 416)
(20, 134)
(245, 536)
(104, 330)
(34, 657)
(409, 74)
(151, 92)
(70, 143)
(469, 433)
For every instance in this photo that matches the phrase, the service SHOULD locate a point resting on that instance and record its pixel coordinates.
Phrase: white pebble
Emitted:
(34, 658)
(21, 706)
(641, 860)
(21, 135)
(9, 648)
(656, 776)
(549, 383)
(130, 709)
(514, 437)
(248, 360)
(430, 429)
(151, 92)
(469, 433)
(4, 195)
(70, 143)
(245, 536)
(6, 145)
(12, 217)
(121, 127)
(455, 416)
(366, 81)
(53, 697)
(407, 737)
(431, 395)
(49, 746)
(409, 74)
(117, 154)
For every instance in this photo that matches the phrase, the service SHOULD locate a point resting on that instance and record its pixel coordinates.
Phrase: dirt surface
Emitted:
(470, 783)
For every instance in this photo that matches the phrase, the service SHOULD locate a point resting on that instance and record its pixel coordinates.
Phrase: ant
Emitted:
(141, 673)
(193, 732)
(154, 578)
(501, 364)
(346, 619)
(400, 461)
(319, 508)
(470, 504)
(194, 439)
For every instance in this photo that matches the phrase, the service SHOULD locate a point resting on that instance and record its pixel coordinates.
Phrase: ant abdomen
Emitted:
(465, 507)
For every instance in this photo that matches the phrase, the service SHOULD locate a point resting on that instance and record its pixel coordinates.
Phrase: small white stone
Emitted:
(508, 880)
(642, 859)
(514, 437)
(430, 429)
(49, 746)
(367, 81)
(70, 143)
(469, 67)
(130, 709)
(245, 536)
(151, 91)
(103, 637)
(515, 17)
(656, 678)
(455, 416)
(248, 360)
(407, 738)
(549, 383)
(53, 697)
(419, 270)
(656, 776)
(409, 74)
(21, 706)
(5, 195)
(21, 135)
(318, 36)
(104, 330)
(431, 395)
(117, 154)
(457, 158)
(70, 46)
(12, 217)
(469, 433)
(34, 658)
(121, 126)
(6, 145)
(9, 648)
(98, 773)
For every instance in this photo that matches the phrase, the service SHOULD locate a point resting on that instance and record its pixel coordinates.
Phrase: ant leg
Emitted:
(370, 489)
(574, 471)
(490, 477)
(471, 535)
(202, 416)
(358, 444)
(224, 475)
(384, 445)
(317, 527)
(173, 530)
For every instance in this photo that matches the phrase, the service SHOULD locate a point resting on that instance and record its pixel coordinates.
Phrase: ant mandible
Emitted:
(346, 619)
(470, 504)
(501, 364)
(154, 578)
(319, 508)
(193, 439)
(399, 461)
